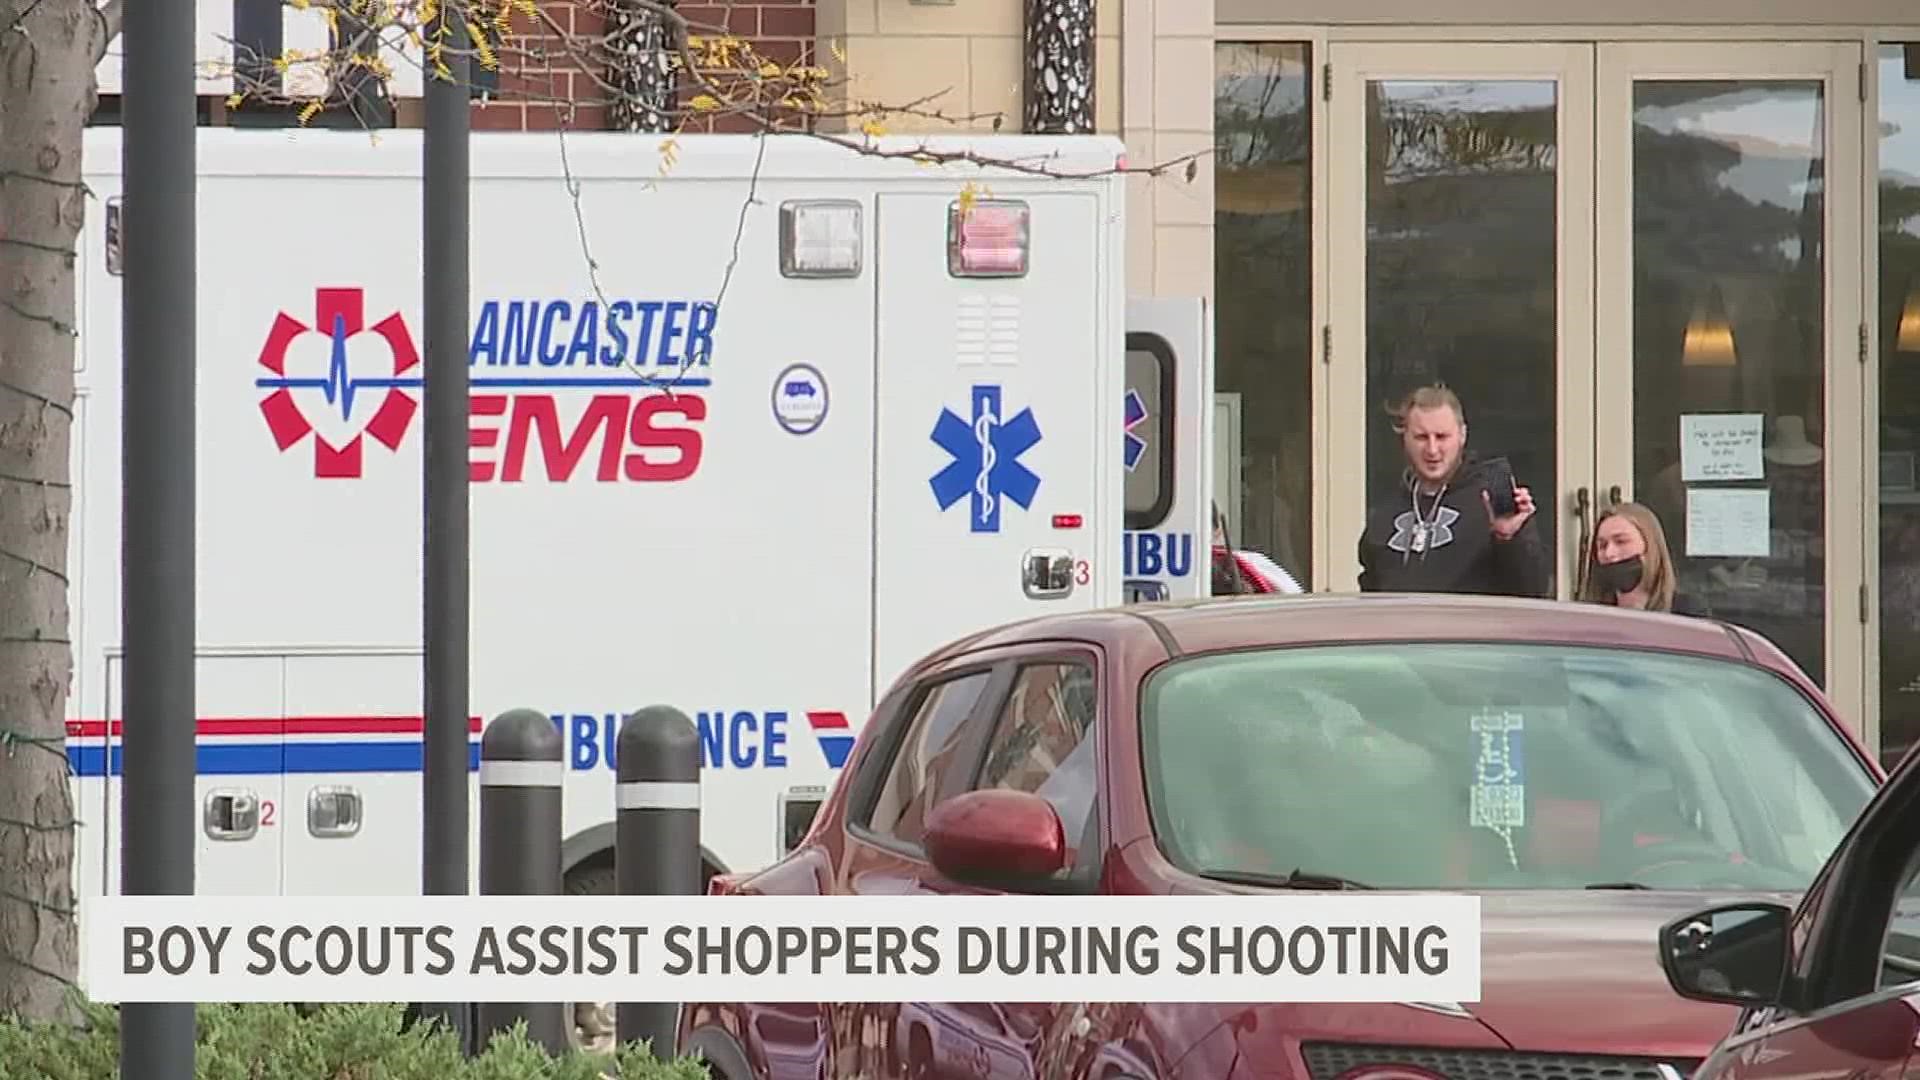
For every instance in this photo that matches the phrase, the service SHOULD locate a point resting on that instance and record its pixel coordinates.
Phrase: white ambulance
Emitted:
(758, 509)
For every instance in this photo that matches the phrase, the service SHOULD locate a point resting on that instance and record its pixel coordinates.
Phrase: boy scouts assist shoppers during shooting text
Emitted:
(1462, 525)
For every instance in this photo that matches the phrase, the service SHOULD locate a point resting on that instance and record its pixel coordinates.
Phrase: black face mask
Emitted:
(1620, 577)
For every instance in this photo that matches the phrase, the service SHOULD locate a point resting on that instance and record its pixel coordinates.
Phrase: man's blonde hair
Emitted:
(1431, 396)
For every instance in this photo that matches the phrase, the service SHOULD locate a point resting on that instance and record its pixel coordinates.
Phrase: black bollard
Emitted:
(520, 774)
(656, 838)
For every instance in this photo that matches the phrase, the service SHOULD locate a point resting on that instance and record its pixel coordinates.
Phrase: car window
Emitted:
(1042, 741)
(1900, 951)
(1497, 765)
(899, 813)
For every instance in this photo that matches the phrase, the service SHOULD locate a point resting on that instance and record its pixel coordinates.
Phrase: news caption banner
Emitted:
(1296, 947)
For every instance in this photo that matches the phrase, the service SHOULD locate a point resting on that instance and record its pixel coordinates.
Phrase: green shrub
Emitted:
(327, 1042)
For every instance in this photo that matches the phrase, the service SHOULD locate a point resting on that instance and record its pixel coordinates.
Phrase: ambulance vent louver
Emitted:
(987, 330)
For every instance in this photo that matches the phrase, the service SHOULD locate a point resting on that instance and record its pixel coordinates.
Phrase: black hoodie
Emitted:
(1462, 555)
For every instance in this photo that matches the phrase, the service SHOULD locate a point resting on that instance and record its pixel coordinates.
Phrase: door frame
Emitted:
(1594, 67)
(1618, 65)
(1570, 66)
(1318, 37)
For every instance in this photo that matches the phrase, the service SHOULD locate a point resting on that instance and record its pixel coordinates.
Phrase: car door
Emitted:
(1025, 722)
(940, 718)
(1849, 1006)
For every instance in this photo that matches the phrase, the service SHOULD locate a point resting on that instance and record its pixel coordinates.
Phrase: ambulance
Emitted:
(756, 423)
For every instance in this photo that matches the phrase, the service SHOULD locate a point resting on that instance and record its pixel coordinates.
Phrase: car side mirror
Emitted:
(996, 837)
(1731, 955)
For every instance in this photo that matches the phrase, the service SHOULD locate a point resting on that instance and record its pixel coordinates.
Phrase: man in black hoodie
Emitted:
(1441, 534)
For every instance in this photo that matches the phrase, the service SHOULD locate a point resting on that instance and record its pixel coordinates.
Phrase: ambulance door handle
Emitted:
(1047, 573)
(333, 812)
(231, 814)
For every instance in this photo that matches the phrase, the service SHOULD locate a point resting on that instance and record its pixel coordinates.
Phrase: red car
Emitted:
(1592, 773)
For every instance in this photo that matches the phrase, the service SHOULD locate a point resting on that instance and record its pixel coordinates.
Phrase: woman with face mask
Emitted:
(1630, 565)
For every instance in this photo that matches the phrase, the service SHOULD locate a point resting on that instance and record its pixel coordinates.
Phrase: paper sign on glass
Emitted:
(1721, 446)
(1734, 523)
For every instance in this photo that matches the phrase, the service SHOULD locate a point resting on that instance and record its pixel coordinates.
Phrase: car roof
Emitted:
(1220, 623)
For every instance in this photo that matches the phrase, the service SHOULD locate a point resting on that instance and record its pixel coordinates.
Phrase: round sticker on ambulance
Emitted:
(800, 399)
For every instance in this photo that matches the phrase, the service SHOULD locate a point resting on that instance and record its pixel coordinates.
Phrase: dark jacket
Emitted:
(1687, 605)
(1462, 555)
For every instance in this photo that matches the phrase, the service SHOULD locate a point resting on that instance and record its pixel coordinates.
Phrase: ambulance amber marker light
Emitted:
(1066, 521)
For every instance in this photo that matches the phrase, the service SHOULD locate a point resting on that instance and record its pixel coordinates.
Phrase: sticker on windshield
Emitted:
(1499, 797)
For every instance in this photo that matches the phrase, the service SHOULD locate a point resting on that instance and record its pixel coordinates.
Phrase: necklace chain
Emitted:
(1422, 524)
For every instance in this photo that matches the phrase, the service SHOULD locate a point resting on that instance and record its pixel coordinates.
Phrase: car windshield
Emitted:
(1491, 766)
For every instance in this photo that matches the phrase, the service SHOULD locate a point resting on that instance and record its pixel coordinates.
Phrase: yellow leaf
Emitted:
(234, 100)
(307, 113)
(769, 69)
(873, 128)
(968, 195)
(480, 46)
(704, 102)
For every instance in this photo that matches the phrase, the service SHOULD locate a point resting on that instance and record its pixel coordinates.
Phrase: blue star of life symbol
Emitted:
(1136, 414)
(986, 459)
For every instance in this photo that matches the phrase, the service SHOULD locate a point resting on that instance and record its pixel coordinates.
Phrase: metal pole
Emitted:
(444, 293)
(158, 349)
(656, 840)
(520, 775)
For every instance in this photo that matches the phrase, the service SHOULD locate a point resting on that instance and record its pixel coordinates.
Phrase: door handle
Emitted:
(1046, 573)
(1583, 508)
(1613, 496)
(231, 814)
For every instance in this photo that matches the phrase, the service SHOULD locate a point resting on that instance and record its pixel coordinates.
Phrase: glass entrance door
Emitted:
(1459, 252)
(1627, 262)
(1729, 333)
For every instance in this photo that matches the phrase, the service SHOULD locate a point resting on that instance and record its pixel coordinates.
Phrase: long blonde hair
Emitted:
(1656, 572)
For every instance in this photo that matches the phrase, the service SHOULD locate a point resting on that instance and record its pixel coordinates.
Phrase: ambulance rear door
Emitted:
(1166, 457)
(991, 404)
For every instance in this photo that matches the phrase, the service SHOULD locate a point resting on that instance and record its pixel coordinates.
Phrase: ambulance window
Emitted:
(932, 737)
(1148, 454)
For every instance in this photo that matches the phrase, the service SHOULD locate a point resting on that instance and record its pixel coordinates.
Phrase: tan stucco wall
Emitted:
(967, 56)
(1167, 113)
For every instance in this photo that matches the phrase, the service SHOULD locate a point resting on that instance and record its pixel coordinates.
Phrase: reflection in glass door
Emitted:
(1459, 253)
(1728, 300)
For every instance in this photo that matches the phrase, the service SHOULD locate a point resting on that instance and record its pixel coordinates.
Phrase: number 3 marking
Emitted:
(266, 812)
(1082, 572)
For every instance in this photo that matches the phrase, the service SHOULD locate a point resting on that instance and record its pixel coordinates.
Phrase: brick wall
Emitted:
(544, 72)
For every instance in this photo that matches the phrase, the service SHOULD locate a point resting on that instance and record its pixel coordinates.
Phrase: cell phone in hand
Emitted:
(1501, 488)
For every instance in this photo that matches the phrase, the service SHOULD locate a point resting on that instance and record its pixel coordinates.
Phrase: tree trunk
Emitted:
(48, 52)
